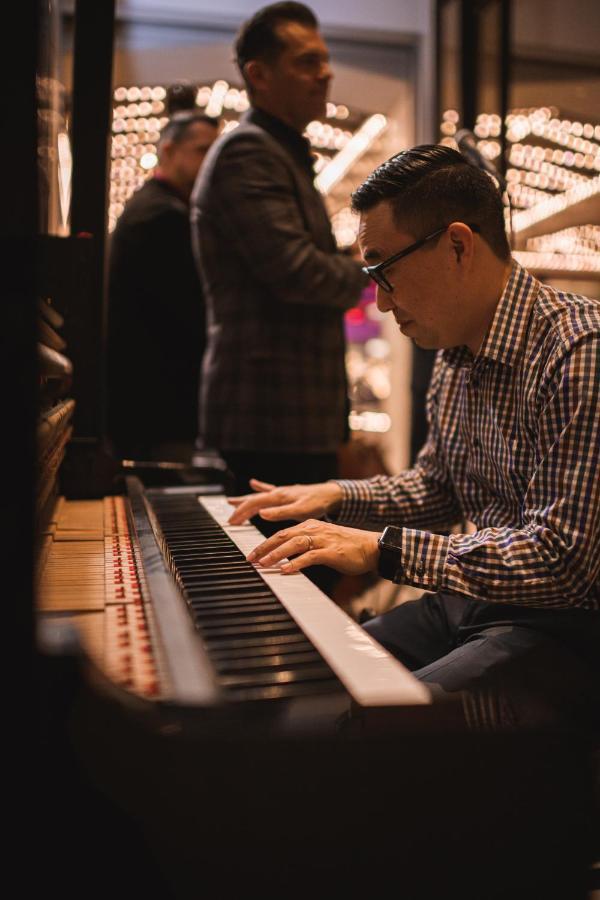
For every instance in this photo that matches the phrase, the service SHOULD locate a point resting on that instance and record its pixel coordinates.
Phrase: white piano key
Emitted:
(370, 674)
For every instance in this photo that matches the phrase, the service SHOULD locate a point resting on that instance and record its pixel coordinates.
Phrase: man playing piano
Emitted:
(511, 614)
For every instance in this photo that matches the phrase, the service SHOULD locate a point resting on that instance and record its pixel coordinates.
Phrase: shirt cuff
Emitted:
(356, 502)
(423, 556)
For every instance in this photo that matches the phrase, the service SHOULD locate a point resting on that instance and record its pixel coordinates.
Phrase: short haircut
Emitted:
(431, 186)
(180, 96)
(179, 124)
(258, 38)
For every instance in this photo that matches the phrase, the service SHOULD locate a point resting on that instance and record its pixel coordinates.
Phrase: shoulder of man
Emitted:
(241, 141)
(152, 201)
(568, 318)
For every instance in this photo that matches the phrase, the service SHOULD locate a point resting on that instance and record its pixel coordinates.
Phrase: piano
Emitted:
(158, 588)
(204, 726)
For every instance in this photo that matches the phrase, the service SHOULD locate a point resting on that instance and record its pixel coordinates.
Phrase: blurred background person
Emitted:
(274, 392)
(181, 96)
(156, 327)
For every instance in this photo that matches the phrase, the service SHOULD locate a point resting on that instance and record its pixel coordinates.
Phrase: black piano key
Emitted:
(203, 607)
(269, 663)
(237, 631)
(218, 593)
(213, 568)
(234, 555)
(230, 622)
(285, 691)
(258, 679)
(257, 641)
(223, 585)
(253, 651)
(208, 616)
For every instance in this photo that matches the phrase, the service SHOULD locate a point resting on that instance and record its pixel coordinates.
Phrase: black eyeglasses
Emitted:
(376, 272)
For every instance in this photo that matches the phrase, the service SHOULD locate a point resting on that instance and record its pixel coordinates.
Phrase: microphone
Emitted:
(467, 144)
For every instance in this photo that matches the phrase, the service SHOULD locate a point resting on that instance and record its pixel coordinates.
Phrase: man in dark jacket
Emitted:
(273, 397)
(156, 310)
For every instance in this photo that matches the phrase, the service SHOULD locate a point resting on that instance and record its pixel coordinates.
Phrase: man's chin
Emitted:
(319, 109)
(424, 344)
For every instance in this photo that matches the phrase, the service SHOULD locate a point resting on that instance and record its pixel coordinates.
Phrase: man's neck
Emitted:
(493, 285)
(165, 176)
(265, 107)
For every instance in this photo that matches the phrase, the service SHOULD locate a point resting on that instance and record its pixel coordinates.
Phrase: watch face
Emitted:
(391, 538)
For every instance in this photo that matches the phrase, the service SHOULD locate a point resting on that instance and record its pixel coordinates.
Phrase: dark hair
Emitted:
(258, 38)
(430, 186)
(178, 125)
(180, 96)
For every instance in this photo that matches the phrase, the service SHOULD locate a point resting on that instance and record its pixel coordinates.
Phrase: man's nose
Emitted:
(325, 72)
(385, 301)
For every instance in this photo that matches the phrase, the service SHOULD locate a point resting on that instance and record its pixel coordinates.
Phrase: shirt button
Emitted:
(420, 569)
(476, 443)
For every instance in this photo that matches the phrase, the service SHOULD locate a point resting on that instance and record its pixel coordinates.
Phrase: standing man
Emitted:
(274, 396)
(512, 613)
(156, 310)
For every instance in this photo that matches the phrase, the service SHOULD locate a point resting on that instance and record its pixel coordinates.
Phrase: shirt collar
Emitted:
(296, 143)
(505, 336)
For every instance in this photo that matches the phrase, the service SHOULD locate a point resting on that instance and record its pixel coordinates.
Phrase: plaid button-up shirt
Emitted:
(514, 447)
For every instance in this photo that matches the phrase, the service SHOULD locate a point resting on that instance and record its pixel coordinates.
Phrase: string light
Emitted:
(324, 135)
(214, 106)
(137, 122)
(552, 205)
(587, 263)
(579, 239)
(544, 178)
(345, 227)
(348, 155)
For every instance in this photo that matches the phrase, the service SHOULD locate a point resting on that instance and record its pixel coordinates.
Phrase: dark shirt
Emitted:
(156, 323)
(297, 144)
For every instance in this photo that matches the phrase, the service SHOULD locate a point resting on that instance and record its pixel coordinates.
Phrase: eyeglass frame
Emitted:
(375, 272)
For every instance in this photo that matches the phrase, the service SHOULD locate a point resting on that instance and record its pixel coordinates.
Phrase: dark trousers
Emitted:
(284, 468)
(516, 667)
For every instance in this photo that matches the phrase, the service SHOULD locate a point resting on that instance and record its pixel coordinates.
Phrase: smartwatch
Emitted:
(390, 554)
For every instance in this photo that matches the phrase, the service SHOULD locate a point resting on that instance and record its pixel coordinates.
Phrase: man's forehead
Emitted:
(201, 132)
(377, 228)
(299, 38)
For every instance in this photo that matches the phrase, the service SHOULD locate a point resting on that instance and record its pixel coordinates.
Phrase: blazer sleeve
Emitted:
(252, 193)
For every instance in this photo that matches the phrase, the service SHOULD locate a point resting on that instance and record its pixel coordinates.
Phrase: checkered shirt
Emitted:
(514, 447)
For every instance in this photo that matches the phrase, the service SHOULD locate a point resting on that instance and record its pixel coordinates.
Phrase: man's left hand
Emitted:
(347, 550)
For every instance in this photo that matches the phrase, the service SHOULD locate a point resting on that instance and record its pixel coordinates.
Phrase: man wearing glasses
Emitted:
(511, 614)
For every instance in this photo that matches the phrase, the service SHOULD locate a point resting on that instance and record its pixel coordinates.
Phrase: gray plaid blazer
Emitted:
(275, 290)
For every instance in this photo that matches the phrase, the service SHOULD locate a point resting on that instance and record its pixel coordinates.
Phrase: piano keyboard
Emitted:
(256, 646)
(215, 631)
(369, 673)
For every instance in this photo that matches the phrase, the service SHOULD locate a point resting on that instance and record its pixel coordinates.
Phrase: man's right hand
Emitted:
(294, 501)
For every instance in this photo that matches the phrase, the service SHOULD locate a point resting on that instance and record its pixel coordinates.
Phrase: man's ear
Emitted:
(457, 246)
(461, 240)
(166, 150)
(255, 73)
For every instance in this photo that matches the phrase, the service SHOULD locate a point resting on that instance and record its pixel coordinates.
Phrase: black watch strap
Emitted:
(390, 554)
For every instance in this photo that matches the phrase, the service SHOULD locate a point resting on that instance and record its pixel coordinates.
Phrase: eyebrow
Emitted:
(309, 54)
